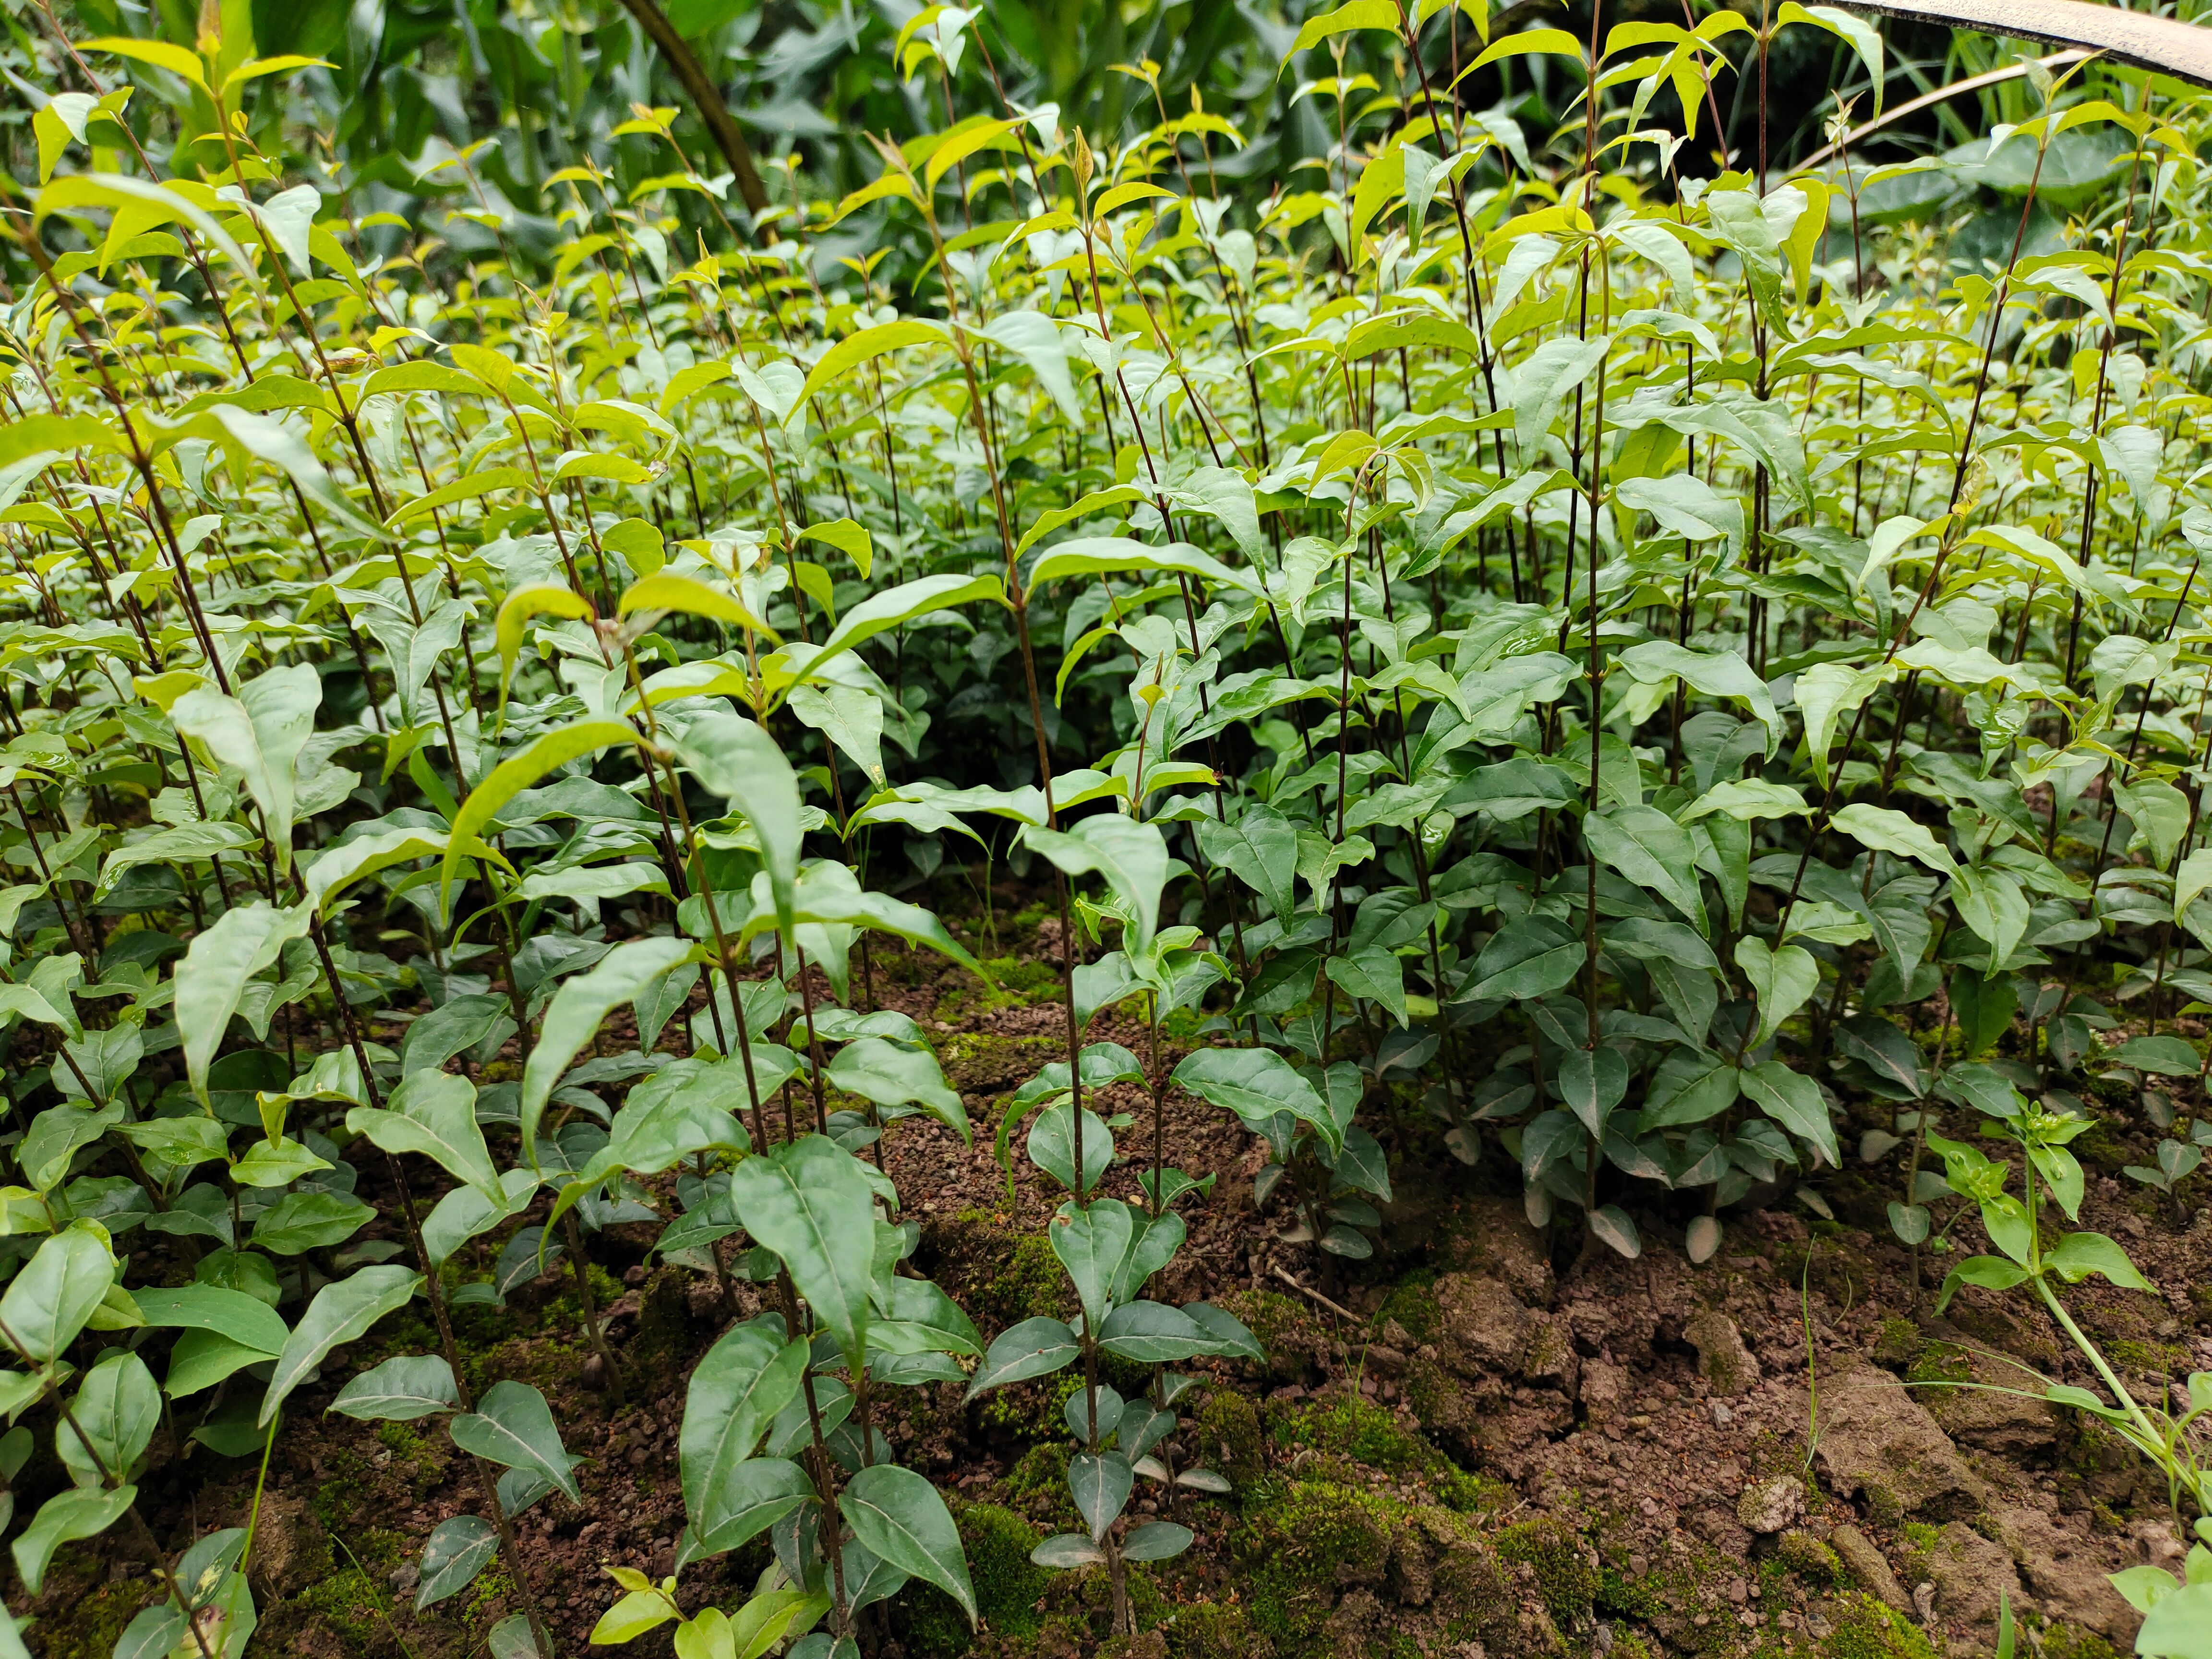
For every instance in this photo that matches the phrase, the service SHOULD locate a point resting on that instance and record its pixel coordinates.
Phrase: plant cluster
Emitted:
(1504, 641)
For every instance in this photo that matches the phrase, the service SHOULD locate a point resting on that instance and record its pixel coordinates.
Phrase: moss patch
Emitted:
(1229, 1436)
(1008, 1586)
(1296, 1552)
(1868, 1630)
(1565, 1576)
(1355, 1427)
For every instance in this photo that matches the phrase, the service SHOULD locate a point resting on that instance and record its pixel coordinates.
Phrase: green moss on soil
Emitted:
(1230, 1438)
(1564, 1576)
(1355, 1427)
(1868, 1630)
(1008, 1586)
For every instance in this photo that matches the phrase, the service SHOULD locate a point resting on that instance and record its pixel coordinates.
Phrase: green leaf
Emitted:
(848, 353)
(66, 1518)
(1051, 1145)
(304, 1221)
(1345, 20)
(738, 761)
(513, 1427)
(458, 1549)
(1826, 692)
(849, 537)
(1091, 1244)
(571, 1020)
(244, 941)
(900, 1517)
(332, 872)
(2079, 1255)
(886, 611)
(342, 1312)
(1715, 674)
(1861, 36)
(511, 777)
(631, 1617)
(54, 1296)
(2178, 1627)
(735, 1393)
(1131, 856)
(753, 1496)
(828, 893)
(1529, 957)
(1151, 1332)
(1784, 981)
(668, 591)
(535, 599)
(232, 1314)
(1653, 851)
(898, 1075)
(1035, 1348)
(117, 1409)
(433, 1113)
(260, 731)
(1260, 848)
(1119, 556)
(1793, 1101)
(55, 1137)
(466, 1213)
(1256, 1084)
(851, 717)
(400, 1390)
(1888, 830)
(1991, 1272)
(807, 1201)
(1097, 502)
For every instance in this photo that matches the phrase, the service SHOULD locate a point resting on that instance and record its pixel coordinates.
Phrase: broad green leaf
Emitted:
(1793, 1101)
(1035, 1348)
(511, 777)
(1131, 856)
(400, 1390)
(908, 602)
(849, 537)
(735, 1393)
(111, 1420)
(1345, 20)
(1256, 1084)
(1109, 556)
(54, 1296)
(899, 1515)
(260, 731)
(537, 599)
(342, 1312)
(807, 1201)
(668, 591)
(1782, 980)
(1090, 1243)
(458, 1549)
(1654, 852)
(513, 1427)
(1888, 830)
(2079, 1255)
(82, 1512)
(433, 1113)
(738, 761)
(848, 353)
(232, 1314)
(572, 1021)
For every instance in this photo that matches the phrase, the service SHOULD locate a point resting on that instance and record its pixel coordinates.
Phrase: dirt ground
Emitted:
(1485, 1442)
